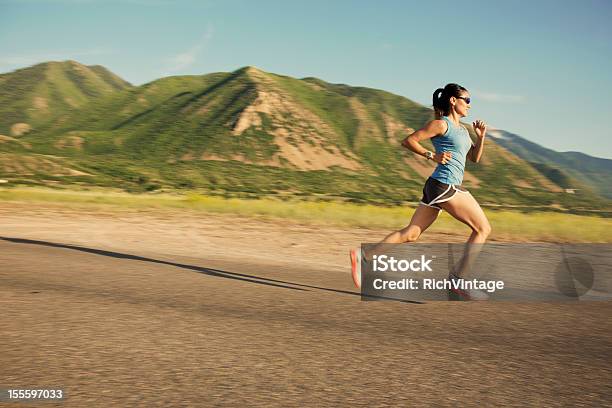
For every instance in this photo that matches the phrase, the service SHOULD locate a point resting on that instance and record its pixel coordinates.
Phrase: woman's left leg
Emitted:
(464, 207)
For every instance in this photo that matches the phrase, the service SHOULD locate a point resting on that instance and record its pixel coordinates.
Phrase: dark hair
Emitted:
(441, 98)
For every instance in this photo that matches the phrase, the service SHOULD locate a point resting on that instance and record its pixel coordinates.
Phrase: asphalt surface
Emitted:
(147, 329)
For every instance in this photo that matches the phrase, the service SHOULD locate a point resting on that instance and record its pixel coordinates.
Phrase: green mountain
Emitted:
(250, 133)
(35, 95)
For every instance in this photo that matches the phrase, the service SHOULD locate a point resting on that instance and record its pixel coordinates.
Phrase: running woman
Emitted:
(443, 190)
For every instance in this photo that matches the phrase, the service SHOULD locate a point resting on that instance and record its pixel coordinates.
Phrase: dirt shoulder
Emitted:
(194, 234)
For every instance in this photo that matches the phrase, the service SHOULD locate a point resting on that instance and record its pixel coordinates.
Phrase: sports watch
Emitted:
(429, 155)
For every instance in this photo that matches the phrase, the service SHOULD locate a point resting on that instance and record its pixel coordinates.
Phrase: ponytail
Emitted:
(437, 105)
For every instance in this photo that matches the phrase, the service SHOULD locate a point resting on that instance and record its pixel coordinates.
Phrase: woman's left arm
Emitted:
(475, 152)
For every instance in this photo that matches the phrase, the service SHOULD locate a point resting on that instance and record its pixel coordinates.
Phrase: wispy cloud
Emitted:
(187, 58)
(23, 60)
(498, 97)
(93, 2)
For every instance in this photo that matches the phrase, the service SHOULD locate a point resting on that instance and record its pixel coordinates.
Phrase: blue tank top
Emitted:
(456, 140)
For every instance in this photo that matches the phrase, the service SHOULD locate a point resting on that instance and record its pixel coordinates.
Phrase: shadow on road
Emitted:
(206, 271)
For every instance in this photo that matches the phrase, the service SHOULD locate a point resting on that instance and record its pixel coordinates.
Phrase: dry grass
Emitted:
(507, 225)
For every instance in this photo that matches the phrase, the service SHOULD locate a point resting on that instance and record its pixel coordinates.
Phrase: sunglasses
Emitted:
(466, 99)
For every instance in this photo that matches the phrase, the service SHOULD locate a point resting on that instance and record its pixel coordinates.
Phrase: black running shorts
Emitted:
(436, 192)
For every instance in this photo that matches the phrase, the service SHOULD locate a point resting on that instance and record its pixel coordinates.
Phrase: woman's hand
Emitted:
(442, 158)
(480, 128)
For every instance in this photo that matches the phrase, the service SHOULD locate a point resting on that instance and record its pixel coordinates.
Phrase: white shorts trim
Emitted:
(460, 191)
(432, 206)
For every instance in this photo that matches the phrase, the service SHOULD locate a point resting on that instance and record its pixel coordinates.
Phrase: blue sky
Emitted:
(541, 69)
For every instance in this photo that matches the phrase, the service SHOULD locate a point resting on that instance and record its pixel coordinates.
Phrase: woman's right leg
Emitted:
(422, 218)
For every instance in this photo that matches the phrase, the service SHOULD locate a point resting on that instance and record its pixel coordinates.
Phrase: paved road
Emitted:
(127, 329)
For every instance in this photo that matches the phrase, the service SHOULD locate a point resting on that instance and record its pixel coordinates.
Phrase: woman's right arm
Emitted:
(431, 129)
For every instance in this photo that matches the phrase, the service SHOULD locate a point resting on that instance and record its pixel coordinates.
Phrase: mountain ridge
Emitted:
(253, 132)
(588, 171)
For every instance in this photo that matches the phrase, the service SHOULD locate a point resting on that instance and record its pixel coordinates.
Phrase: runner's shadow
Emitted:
(206, 271)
